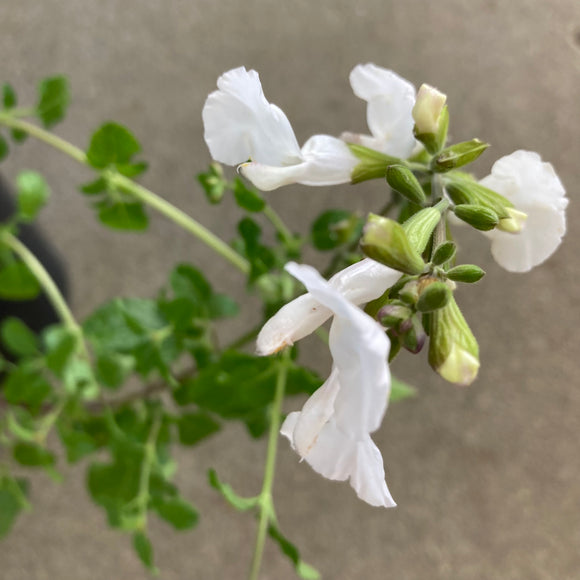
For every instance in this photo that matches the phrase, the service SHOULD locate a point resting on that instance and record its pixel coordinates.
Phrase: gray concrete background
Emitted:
(486, 477)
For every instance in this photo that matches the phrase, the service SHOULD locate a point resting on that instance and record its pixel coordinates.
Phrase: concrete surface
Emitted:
(486, 478)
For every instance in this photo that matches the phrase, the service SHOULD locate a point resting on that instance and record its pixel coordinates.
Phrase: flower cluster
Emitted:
(520, 207)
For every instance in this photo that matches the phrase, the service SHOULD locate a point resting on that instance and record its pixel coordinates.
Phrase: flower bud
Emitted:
(463, 189)
(414, 338)
(372, 164)
(459, 154)
(468, 273)
(392, 315)
(480, 217)
(434, 296)
(513, 224)
(385, 241)
(401, 179)
(453, 350)
(443, 253)
(428, 108)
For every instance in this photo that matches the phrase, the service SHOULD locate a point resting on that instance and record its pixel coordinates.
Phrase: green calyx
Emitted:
(372, 165)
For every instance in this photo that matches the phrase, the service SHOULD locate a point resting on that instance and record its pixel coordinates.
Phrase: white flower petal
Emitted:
(240, 124)
(359, 283)
(534, 188)
(325, 160)
(390, 101)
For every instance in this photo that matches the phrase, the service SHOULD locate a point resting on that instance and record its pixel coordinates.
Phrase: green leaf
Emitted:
(132, 169)
(189, 282)
(237, 502)
(247, 198)
(61, 344)
(32, 455)
(18, 135)
(112, 369)
(53, 100)
(25, 385)
(176, 511)
(262, 259)
(334, 228)
(239, 384)
(33, 193)
(4, 148)
(17, 282)
(9, 98)
(213, 183)
(77, 443)
(112, 144)
(304, 570)
(13, 493)
(222, 306)
(18, 338)
(95, 187)
(194, 427)
(401, 390)
(124, 216)
(144, 549)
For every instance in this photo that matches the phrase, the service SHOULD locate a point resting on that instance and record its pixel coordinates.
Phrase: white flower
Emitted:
(390, 101)
(332, 432)
(534, 189)
(359, 283)
(241, 125)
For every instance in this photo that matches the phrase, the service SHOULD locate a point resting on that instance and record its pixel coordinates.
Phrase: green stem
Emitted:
(281, 228)
(44, 279)
(129, 186)
(265, 497)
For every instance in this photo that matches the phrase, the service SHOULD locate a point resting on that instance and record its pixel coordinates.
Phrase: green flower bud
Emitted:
(433, 297)
(513, 224)
(480, 217)
(463, 189)
(459, 154)
(468, 273)
(373, 164)
(409, 293)
(392, 315)
(401, 179)
(420, 226)
(443, 253)
(453, 350)
(414, 338)
(428, 114)
(385, 241)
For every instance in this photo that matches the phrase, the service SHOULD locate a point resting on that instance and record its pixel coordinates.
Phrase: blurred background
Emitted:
(486, 478)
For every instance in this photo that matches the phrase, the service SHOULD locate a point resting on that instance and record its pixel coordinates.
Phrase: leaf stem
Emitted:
(265, 498)
(138, 191)
(285, 234)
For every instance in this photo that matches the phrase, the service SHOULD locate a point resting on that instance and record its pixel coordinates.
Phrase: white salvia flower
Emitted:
(359, 283)
(390, 101)
(241, 126)
(332, 432)
(534, 189)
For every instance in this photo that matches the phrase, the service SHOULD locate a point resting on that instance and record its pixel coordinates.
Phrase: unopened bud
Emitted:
(385, 241)
(453, 350)
(372, 164)
(427, 110)
(463, 189)
(468, 273)
(414, 338)
(401, 179)
(513, 224)
(409, 293)
(392, 315)
(443, 253)
(459, 154)
(480, 217)
(434, 297)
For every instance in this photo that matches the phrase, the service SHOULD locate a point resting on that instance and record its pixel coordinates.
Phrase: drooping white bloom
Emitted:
(241, 126)
(390, 101)
(332, 432)
(534, 189)
(359, 283)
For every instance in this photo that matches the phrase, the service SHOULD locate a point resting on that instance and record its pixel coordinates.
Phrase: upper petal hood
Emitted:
(534, 188)
(324, 160)
(359, 283)
(390, 101)
(240, 124)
